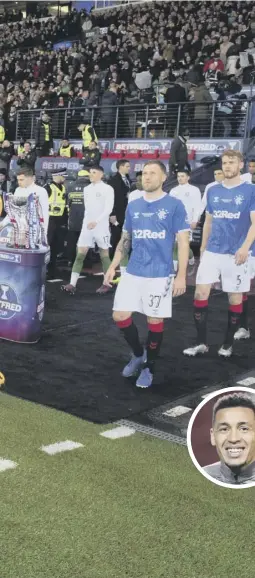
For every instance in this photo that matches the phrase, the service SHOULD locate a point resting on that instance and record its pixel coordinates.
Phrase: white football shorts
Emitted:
(150, 296)
(252, 267)
(100, 235)
(215, 267)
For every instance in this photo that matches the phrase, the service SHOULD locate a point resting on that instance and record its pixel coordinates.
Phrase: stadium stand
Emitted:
(198, 54)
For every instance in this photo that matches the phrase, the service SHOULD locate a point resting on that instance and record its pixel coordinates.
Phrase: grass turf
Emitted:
(133, 507)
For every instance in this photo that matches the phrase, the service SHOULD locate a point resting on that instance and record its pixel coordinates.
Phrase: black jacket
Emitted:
(6, 154)
(29, 160)
(91, 158)
(179, 154)
(120, 197)
(40, 135)
(75, 203)
(108, 106)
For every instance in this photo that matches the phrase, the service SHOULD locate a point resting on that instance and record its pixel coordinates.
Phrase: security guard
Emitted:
(66, 149)
(75, 206)
(91, 156)
(43, 136)
(88, 135)
(57, 218)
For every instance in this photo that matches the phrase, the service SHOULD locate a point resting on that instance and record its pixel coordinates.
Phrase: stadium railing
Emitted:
(143, 121)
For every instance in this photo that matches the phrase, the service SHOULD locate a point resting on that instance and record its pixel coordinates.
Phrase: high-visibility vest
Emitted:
(83, 173)
(2, 134)
(47, 132)
(65, 151)
(57, 201)
(21, 150)
(86, 136)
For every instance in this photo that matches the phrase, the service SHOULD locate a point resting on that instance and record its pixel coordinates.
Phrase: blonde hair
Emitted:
(232, 154)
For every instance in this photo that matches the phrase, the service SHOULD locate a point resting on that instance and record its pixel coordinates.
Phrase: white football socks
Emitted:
(74, 279)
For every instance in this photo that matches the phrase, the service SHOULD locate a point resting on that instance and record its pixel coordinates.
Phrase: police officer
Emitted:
(75, 207)
(66, 149)
(91, 156)
(88, 135)
(57, 218)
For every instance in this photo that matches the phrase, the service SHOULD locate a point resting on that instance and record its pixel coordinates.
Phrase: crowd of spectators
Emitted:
(178, 55)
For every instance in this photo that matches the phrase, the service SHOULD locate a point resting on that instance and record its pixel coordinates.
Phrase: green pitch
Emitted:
(126, 508)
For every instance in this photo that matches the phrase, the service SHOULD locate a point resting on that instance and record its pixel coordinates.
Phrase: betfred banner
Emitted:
(72, 165)
(202, 147)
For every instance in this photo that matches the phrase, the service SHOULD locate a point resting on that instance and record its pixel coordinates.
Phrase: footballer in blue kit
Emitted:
(152, 223)
(228, 237)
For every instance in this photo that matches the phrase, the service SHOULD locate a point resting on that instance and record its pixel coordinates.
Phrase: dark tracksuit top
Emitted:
(221, 472)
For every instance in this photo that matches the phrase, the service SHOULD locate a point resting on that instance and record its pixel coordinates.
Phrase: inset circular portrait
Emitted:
(221, 437)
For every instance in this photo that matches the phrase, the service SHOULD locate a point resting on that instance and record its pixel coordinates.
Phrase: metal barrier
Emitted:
(143, 121)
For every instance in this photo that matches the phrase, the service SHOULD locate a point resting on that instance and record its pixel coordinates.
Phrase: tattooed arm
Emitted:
(122, 251)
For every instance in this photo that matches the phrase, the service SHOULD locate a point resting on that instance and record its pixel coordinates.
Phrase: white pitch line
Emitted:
(246, 381)
(54, 280)
(118, 432)
(7, 465)
(59, 447)
(177, 411)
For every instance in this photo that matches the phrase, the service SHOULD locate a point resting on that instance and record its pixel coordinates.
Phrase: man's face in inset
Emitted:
(233, 435)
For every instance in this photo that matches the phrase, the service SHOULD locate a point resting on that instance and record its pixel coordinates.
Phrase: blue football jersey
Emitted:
(230, 209)
(153, 226)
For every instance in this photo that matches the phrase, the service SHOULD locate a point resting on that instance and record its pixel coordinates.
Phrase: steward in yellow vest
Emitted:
(88, 135)
(66, 149)
(57, 196)
(20, 150)
(43, 136)
(58, 219)
(2, 134)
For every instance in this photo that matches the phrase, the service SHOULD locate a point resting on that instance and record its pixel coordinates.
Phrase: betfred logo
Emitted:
(147, 234)
(9, 305)
(226, 215)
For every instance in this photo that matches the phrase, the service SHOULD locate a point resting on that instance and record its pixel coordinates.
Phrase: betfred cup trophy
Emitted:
(25, 215)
